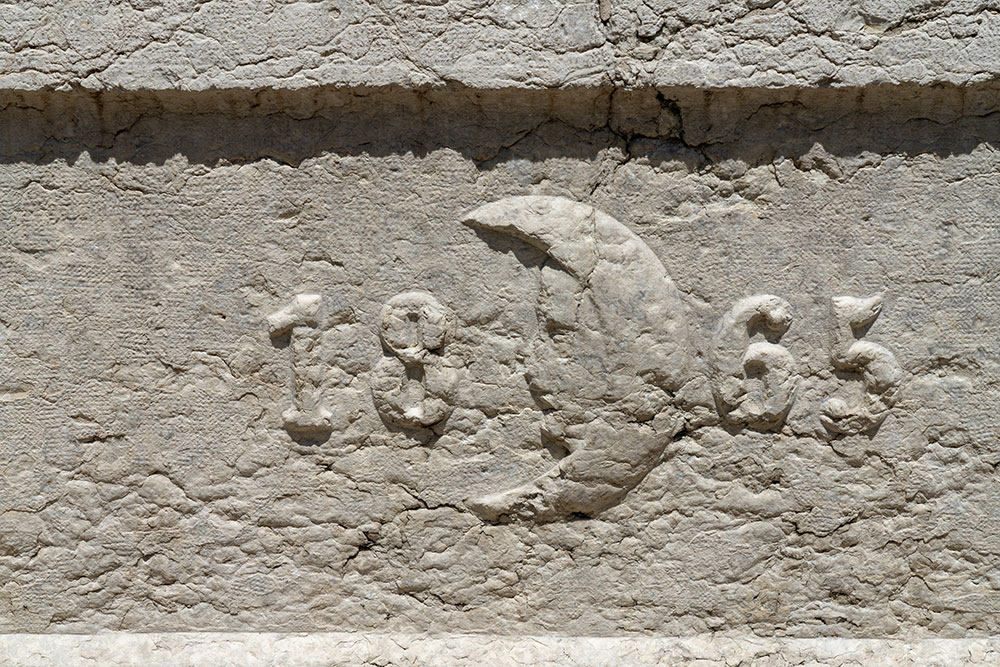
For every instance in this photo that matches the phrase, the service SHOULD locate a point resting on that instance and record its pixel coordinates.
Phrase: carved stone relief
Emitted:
(753, 382)
(414, 383)
(610, 353)
(321, 346)
(308, 415)
(606, 366)
(881, 374)
(282, 361)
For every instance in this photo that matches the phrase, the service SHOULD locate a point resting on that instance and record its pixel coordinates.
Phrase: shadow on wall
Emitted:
(690, 126)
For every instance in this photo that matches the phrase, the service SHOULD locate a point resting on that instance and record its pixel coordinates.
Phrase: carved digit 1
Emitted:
(307, 415)
(880, 372)
(753, 382)
(414, 384)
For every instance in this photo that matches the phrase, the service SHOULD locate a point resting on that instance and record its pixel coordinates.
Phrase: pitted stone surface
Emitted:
(399, 650)
(490, 44)
(517, 332)
(193, 311)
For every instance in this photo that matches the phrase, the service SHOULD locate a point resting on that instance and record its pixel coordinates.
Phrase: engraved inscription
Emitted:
(307, 416)
(413, 385)
(610, 353)
(753, 382)
(880, 373)
(609, 364)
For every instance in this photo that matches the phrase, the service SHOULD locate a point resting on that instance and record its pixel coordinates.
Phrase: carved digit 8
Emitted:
(414, 384)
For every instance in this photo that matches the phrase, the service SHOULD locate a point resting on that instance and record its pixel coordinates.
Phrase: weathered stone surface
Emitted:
(480, 324)
(489, 44)
(575, 362)
(392, 650)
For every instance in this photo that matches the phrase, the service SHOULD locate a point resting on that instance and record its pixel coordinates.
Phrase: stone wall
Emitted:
(562, 319)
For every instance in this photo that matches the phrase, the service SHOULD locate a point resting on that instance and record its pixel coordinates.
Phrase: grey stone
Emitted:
(218, 44)
(325, 649)
(550, 319)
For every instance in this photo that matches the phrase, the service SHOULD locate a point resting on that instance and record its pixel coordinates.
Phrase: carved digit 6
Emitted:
(880, 372)
(754, 382)
(414, 384)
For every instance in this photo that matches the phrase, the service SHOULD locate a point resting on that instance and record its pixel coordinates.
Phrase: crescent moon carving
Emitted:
(611, 351)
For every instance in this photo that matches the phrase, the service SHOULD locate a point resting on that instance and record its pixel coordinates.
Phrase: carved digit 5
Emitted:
(414, 384)
(880, 372)
(754, 382)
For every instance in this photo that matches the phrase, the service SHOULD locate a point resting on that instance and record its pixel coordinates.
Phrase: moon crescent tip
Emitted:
(493, 214)
(485, 507)
(526, 214)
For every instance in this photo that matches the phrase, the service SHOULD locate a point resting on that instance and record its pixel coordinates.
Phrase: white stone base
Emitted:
(260, 649)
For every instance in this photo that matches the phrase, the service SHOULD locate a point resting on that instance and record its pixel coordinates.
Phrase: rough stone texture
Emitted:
(397, 650)
(321, 317)
(151, 478)
(208, 44)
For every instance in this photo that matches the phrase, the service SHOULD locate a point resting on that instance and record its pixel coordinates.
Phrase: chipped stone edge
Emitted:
(352, 648)
(696, 76)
